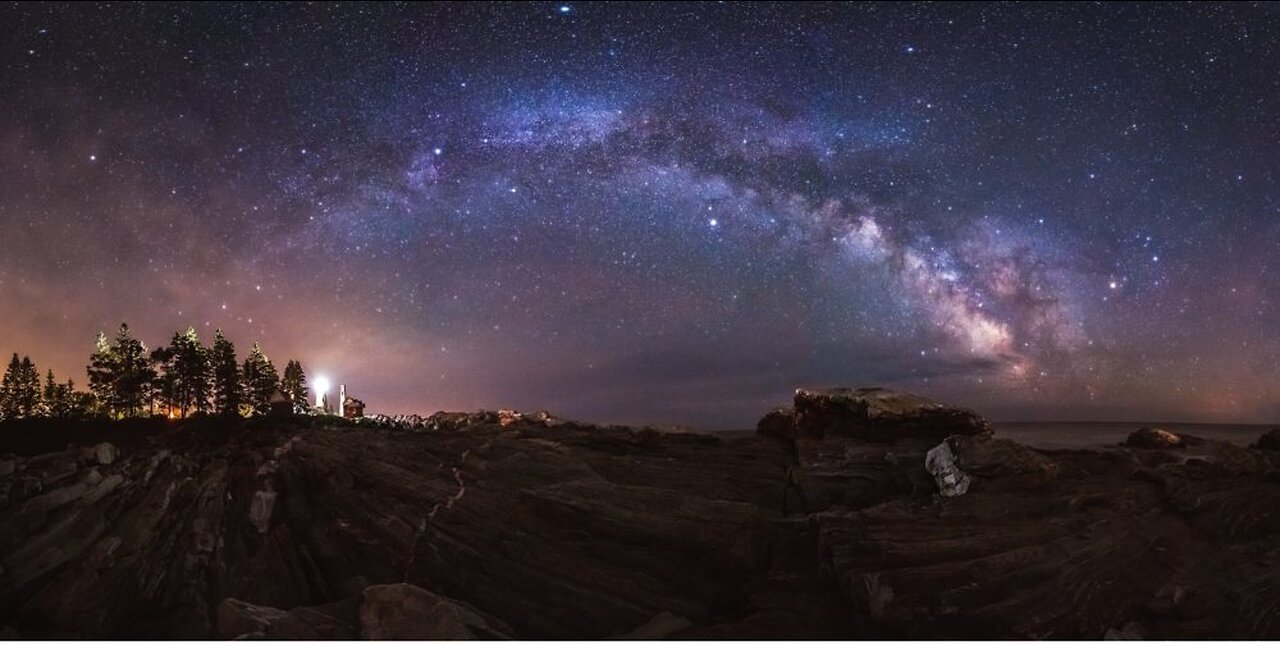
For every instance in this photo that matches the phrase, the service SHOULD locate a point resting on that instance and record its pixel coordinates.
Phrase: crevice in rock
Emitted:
(435, 509)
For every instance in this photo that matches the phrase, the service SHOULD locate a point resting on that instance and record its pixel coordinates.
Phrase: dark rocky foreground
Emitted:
(825, 524)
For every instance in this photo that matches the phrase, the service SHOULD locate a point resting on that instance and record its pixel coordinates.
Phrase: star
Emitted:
(881, 201)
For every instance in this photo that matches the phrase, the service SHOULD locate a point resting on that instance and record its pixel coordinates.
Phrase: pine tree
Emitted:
(83, 405)
(50, 389)
(164, 385)
(9, 389)
(102, 372)
(58, 397)
(32, 393)
(26, 394)
(190, 365)
(227, 389)
(50, 395)
(133, 373)
(294, 384)
(120, 373)
(260, 380)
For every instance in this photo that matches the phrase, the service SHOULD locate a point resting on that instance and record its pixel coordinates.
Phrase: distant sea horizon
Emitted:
(1078, 435)
(1052, 436)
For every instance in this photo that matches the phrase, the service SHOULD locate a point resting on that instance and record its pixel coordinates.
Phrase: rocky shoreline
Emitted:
(853, 514)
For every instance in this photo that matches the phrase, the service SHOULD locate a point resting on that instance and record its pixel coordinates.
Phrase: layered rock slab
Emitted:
(822, 529)
(570, 531)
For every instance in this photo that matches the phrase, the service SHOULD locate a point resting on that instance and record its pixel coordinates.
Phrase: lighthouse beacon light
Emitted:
(322, 388)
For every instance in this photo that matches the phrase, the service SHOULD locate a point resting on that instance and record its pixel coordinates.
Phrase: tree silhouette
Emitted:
(227, 388)
(120, 373)
(134, 373)
(184, 376)
(102, 372)
(9, 389)
(260, 380)
(294, 384)
(20, 390)
(189, 364)
(164, 383)
(58, 398)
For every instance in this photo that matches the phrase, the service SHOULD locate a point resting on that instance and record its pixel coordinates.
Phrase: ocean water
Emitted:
(1087, 435)
(1092, 435)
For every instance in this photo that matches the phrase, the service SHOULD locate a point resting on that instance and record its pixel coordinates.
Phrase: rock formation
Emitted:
(871, 414)
(825, 524)
(1270, 440)
(1155, 438)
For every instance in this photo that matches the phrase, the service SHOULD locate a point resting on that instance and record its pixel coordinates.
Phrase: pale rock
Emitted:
(940, 462)
(260, 510)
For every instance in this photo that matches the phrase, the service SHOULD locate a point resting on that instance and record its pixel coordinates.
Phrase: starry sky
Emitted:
(661, 213)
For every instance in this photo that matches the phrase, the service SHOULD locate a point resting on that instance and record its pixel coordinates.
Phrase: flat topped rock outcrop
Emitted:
(1149, 437)
(871, 414)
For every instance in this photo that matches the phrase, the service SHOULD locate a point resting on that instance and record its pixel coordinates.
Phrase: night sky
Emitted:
(660, 213)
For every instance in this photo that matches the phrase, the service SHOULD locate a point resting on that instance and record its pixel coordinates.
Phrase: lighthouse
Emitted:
(322, 393)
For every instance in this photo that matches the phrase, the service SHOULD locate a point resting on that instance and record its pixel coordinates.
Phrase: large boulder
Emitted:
(1001, 465)
(880, 415)
(1149, 437)
(105, 453)
(404, 611)
(1240, 461)
(779, 422)
(838, 472)
(1269, 441)
(859, 447)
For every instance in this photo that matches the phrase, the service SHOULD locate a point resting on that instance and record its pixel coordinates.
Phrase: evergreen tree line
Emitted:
(128, 380)
(22, 394)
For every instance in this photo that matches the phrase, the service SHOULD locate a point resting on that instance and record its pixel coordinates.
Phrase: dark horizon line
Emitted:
(739, 429)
